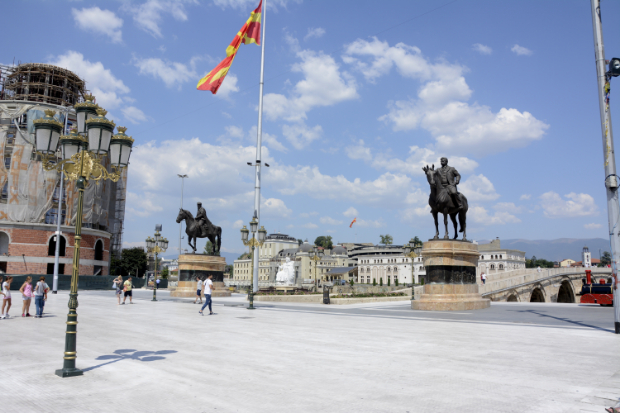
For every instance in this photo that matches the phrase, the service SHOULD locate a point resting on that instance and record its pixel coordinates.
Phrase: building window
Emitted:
(5, 193)
(51, 250)
(7, 162)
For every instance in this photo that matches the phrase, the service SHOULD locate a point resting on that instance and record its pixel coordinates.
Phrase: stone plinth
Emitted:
(201, 266)
(450, 280)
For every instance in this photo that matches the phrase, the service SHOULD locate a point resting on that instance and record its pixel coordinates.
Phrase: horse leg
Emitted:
(435, 213)
(453, 218)
(190, 243)
(463, 222)
(445, 222)
(219, 241)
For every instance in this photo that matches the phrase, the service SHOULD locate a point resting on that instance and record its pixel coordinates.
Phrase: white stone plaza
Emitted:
(282, 357)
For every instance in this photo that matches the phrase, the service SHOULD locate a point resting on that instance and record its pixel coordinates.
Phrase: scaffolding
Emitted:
(38, 82)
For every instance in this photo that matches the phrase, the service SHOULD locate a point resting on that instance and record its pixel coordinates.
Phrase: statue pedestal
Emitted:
(450, 280)
(200, 265)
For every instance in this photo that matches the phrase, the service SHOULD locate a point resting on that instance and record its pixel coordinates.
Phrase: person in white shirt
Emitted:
(483, 277)
(40, 294)
(198, 290)
(6, 299)
(208, 286)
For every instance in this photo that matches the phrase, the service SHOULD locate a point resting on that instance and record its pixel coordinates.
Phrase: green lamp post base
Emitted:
(154, 299)
(69, 372)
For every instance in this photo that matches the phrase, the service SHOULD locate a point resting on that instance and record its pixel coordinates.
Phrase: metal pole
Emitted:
(259, 134)
(68, 368)
(611, 179)
(181, 223)
(58, 215)
(155, 273)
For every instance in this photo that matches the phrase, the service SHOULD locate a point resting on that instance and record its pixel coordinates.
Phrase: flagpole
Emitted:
(259, 135)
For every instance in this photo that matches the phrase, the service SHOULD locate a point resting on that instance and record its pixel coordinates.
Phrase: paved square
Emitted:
(164, 357)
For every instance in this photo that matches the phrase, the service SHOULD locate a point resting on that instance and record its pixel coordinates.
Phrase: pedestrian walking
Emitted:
(26, 290)
(208, 285)
(40, 295)
(483, 277)
(198, 290)
(157, 282)
(127, 286)
(118, 285)
(6, 299)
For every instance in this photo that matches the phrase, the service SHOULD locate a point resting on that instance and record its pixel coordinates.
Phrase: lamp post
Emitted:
(155, 246)
(181, 223)
(253, 243)
(316, 257)
(82, 153)
(412, 250)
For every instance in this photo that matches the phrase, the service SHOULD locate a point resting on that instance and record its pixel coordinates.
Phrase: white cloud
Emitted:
(142, 205)
(148, 15)
(267, 139)
(478, 188)
(234, 131)
(323, 85)
(508, 207)
(576, 205)
(300, 135)
(592, 226)
(251, 4)
(134, 115)
(107, 89)
(229, 86)
(482, 49)
(351, 212)
(275, 208)
(441, 107)
(358, 151)
(310, 226)
(314, 32)
(419, 158)
(308, 214)
(238, 224)
(413, 214)
(99, 21)
(171, 73)
(379, 223)
(525, 197)
(480, 216)
(330, 221)
(520, 50)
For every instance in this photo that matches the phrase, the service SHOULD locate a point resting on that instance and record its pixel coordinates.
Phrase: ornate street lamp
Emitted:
(253, 243)
(81, 165)
(155, 246)
(412, 250)
(316, 257)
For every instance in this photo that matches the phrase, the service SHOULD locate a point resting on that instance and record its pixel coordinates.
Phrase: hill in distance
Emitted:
(556, 249)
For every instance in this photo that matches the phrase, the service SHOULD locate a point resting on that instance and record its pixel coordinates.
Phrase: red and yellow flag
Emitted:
(249, 33)
(353, 222)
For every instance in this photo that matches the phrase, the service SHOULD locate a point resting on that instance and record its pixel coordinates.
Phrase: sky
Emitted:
(358, 97)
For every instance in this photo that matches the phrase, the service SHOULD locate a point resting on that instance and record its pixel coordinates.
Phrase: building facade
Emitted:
(386, 263)
(494, 259)
(30, 200)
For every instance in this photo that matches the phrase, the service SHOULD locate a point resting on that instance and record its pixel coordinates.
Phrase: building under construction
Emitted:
(30, 200)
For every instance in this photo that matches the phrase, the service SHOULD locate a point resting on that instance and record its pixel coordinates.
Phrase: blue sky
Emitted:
(358, 97)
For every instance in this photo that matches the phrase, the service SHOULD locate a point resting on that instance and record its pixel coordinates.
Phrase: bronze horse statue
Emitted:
(440, 201)
(193, 231)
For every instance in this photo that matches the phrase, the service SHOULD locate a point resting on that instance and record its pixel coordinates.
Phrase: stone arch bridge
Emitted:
(556, 285)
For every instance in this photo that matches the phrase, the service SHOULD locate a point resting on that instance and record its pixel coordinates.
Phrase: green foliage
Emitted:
(374, 281)
(300, 241)
(538, 262)
(386, 239)
(324, 241)
(388, 281)
(417, 241)
(396, 282)
(351, 282)
(422, 281)
(132, 260)
(229, 269)
(208, 248)
(606, 258)
(245, 256)
(165, 273)
(381, 282)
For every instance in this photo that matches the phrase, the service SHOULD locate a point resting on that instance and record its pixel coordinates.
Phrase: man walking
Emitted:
(208, 286)
(198, 290)
(127, 288)
(483, 277)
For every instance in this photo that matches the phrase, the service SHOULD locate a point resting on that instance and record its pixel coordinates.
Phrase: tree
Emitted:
(300, 241)
(386, 239)
(417, 241)
(606, 258)
(396, 282)
(209, 248)
(245, 256)
(381, 282)
(132, 260)
(165, 273)
(351, 282)
(324, 241)
(374, 281)
(388, 281)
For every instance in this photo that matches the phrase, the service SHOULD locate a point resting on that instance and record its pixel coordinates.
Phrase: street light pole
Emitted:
(253, 243)
(611, 179)
(155, 246)
(181, 223)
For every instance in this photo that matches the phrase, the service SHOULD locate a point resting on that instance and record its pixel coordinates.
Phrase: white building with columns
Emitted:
(494, 259)
(386, 262)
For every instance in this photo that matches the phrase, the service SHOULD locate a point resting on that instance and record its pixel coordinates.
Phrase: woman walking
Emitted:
(118, 284)
(26, 290)
(6, 299)
(40, 293)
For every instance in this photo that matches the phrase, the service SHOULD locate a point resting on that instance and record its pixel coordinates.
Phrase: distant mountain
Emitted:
(556, 249)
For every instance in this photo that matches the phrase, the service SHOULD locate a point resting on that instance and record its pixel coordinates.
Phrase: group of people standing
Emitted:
(123, 288)
(39, 292)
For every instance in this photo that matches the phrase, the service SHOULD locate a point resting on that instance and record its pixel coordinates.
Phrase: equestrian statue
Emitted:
(200, 227)
(445, 198)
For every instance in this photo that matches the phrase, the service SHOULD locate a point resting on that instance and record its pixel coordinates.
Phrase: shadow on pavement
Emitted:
(130, 354)
(566, 320)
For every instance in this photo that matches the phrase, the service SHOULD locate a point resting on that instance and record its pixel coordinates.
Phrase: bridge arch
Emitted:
(537, 295)
(513, 297)
(566, 293)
